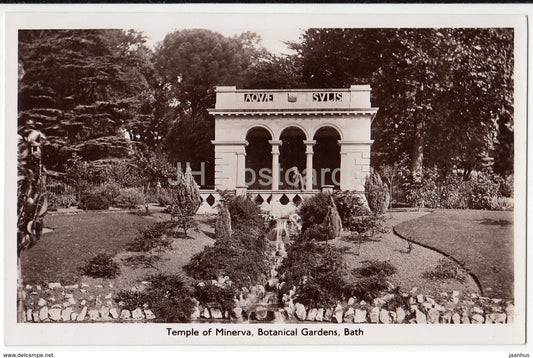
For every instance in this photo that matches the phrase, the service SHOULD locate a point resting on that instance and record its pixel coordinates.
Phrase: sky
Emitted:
(272, 38)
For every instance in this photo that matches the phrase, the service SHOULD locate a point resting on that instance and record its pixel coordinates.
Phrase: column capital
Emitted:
(309, 142)
(275, 142)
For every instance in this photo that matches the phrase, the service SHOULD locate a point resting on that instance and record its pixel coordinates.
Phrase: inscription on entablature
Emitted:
(327, 96)
(258, 97)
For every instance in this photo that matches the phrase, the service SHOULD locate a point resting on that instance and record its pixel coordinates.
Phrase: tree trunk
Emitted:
(418, 150)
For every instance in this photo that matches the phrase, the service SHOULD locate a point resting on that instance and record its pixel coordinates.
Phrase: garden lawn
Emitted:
(482, 241)
(75, 239)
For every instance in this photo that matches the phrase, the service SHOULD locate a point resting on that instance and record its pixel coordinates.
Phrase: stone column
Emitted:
(309, 163)
(275, 163)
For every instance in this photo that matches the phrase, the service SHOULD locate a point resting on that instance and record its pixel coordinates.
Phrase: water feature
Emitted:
(262, 302)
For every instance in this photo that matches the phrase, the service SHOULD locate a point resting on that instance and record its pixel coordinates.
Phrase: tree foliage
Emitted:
(191, 63)
(81, 88)
(445, 95)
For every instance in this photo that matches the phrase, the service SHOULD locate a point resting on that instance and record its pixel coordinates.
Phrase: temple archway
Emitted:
(292, 155)
(326, 158)
(258, 159)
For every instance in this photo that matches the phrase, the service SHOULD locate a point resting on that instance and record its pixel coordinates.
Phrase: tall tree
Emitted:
(445, 95)
(81, 88)
(191, 63)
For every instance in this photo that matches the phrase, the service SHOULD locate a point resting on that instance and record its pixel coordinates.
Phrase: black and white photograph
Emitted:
(208, 181)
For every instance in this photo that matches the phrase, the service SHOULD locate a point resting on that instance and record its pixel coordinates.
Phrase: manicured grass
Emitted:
(76, 239)
(482, 241)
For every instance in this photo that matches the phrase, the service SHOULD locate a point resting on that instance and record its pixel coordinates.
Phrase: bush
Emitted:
(317, 271)
(377, 193)
(164, 197)
(369, 224)
(507, 187)
(111, 191)
(242, 258)
(244, 212)
(155, 236)
(313, 210)
(56, 201)
(349, 204)
(129, 198)
(223, 222)
(186, 198)
(371, 279)
(131, 300)
(446, 269)
(502, 203)
(93, 201)
(169, 297)
(485, 188)
(375, 267)
(317, 233)
(185, 223)
(215, 296)
(455, 193)
(482, 191)
(101, 266)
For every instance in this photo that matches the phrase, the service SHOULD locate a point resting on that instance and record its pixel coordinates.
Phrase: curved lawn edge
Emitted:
(481, 241)
(468, 271)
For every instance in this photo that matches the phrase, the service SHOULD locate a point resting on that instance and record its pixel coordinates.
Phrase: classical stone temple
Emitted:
(280, 145)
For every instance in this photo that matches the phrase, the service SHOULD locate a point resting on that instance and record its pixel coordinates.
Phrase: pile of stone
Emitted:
(77, 303)
(409, 308)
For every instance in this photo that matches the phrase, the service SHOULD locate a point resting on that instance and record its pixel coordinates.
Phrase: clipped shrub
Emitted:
(333, 221)
(446, 269)
(223, 223)
(129, 198)
(377, 193)
(185, 196)
(350, 204)
(313, 210)
(93, 201)
(101, 266)
(215, 296)
(155, 236)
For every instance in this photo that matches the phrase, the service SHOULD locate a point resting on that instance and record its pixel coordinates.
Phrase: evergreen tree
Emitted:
(82, 88)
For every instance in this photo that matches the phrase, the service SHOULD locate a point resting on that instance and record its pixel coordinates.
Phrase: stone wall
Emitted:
(84, 303)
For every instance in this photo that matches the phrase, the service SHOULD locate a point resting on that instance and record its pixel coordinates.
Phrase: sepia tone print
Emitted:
(365, 176)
